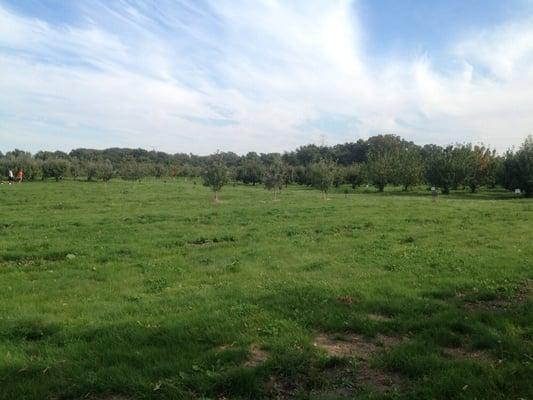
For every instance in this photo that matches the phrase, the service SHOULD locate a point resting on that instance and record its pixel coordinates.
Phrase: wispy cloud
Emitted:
(265, 75)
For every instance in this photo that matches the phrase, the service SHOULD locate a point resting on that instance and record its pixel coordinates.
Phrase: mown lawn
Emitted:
(148, 290)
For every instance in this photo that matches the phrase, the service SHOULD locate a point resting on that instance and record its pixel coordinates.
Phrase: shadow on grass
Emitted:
(496, 194)
(179, 355)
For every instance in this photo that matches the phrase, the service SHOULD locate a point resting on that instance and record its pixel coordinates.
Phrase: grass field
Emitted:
(148, 290)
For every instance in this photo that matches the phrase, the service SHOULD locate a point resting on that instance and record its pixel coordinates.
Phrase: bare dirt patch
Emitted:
(522, 294)
(460, 353)
(345, 299)
(362, 350)
(379, 318)
(487, 305)
(225, 347)
(256, 358)
(351, 345)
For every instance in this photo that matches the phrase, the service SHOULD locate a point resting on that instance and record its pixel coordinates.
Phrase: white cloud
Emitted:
(141, 78)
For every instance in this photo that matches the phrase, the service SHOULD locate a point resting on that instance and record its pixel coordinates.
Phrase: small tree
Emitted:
(55, 168)
(92, 170)
(441, 167)
(410, 167)
(160, 170)
(477, 167)
(495, 171)
(131, 170)
(288, 174)
(322, 176)
(105, 170)
(380, 168)
(251, 171)
(75, 168)
(215, 174)
(274, 177)
(354, 175)
(339, 176)
(518, 168)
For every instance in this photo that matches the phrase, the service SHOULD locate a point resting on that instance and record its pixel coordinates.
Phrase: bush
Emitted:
(55, 168)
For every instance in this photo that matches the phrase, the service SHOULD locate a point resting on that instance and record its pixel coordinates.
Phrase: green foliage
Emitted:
(441, 167)
(410, 171)
(55, 168)
(380, 168)
(105, 170)
(131, 170)
(355, 175)
(159, 170)
(477, 166)
(518, 168)
(274, 177)
(251, 171)
(381, 160)
(322, 175)
(215, 174)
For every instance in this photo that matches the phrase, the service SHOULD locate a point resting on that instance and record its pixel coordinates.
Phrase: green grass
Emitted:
(167, 291)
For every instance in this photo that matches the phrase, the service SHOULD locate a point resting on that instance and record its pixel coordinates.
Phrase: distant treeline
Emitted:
(380, 160)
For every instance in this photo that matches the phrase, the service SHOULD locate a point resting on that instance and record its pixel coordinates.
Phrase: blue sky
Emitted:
(263, 75)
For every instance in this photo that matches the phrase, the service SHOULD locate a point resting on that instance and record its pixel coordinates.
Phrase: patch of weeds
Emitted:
(233, 266)
(23, 257)
(63, 206)
(133, 299)
(155, 285)
(314, 266)
(392, 267)
(151, 218)
(463, 354)
(256, 357)
(345, 299)
(30, 329)
(407, 240)
(206, 240)
(205, 261)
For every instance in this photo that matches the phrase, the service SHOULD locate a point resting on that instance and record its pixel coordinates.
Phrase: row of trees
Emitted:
(380, 160)
(394, 162)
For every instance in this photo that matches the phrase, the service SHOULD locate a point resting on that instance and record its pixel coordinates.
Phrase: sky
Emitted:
(263, 75)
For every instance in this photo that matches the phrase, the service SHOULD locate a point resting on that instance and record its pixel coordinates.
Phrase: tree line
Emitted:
(379, 161)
